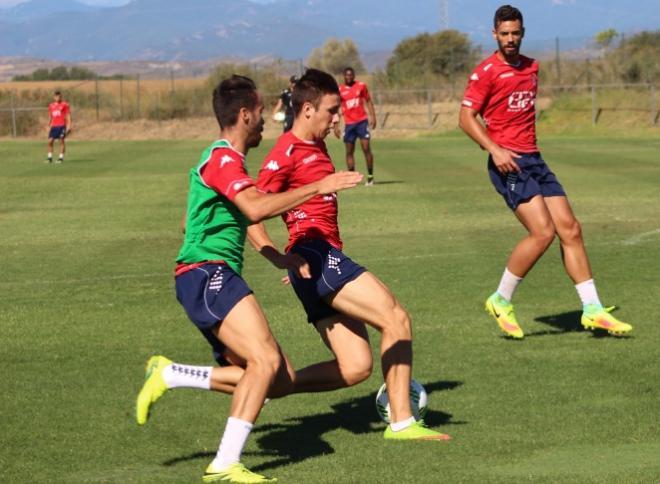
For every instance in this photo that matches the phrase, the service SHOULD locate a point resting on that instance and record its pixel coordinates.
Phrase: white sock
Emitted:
(61, 156)
(50, 155)
(587, 292)
(232, 443)
(404, 424)
(508, 284)
(187, 376)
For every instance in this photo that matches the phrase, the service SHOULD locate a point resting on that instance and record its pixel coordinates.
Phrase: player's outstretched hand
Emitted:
(339, 181)
(295, 263)
(373, 123)
(505, 160)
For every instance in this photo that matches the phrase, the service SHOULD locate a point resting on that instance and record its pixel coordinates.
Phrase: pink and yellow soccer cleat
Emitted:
(595, 316)
(502, 311)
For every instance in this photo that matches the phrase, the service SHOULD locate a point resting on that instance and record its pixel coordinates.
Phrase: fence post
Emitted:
(121, 98)
(96, 91)
(430, 107)
(558, 60)
(171, 81)
(13, 116)
(654, 107)
(137, 86)
(594, 109)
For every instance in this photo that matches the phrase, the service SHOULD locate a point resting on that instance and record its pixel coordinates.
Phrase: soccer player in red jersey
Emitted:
(59, 125)
(341, 296)
(502, 90)
(354, 97)
(222, 202)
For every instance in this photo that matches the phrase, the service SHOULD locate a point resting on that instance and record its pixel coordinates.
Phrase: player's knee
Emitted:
(398, 322)
(573, 233)
(266, 362)
(358, 369)
(544, 236)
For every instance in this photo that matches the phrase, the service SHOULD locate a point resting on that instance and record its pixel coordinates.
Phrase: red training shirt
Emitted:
(293, 163)
(352, 102)
(57, 113)
(504, 95)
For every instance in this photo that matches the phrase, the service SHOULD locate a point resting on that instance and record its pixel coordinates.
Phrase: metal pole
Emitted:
(96, 90)
(557, 60)
(13, 116)
(594, 110)
(654, 107)
(121, 98)
(172, 81)
(137, 84)
(430, 107)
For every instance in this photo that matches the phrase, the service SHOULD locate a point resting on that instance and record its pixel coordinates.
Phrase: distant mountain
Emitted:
(166, 30)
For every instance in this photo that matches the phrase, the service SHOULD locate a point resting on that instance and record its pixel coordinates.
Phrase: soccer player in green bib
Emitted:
(222, 202)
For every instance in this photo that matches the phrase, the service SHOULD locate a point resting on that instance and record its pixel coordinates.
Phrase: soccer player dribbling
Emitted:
(59, 125)
(340, 297)
(354, 97)
(502, 90)
(222, 202)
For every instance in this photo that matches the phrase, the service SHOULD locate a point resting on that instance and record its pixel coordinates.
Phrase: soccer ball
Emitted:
(418, 401)
(279, 117)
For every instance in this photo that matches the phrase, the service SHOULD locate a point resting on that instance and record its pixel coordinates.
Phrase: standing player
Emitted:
(59, 125)
(222, 202)
(354, 96)
(341, 296)
(502, 89)
(284, 101)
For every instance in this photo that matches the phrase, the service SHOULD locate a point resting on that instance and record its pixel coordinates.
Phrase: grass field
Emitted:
(87, 253)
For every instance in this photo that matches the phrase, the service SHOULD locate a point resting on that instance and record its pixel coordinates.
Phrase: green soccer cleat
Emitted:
(234, 473)
(417, 431)
(502, 311)
(595, 316)
(154, 387)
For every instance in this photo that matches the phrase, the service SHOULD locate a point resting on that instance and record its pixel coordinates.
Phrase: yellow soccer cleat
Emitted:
(502, 311)
(417, 431)
(154, 387)
(596, 317)
(237, 473)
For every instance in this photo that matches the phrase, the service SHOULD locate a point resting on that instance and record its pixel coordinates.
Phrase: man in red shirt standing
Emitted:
(59, 125)
(341, 296)
(502, 90)
(354, 97)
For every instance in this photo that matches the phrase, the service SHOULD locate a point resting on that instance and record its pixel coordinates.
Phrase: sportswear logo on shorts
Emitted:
(272, 165)
(215, 284)
(333, 263)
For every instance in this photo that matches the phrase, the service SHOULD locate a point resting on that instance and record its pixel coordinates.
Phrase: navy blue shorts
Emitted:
(57, 132)
(331, 269)
(535, 178)
(356, 130)
(208, 293)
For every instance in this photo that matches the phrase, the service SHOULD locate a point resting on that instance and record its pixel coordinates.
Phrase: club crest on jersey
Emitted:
(272, 165)
(521, 101)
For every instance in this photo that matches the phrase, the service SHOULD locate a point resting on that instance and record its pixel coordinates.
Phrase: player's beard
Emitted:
(513, 49)
(255, 137)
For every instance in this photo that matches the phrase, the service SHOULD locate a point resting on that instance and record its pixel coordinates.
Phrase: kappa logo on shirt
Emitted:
(272, 165)
(310, 158)
(474, 77)
(226, 159)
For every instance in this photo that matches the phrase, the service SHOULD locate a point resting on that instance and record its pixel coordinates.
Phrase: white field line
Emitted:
(639, 238)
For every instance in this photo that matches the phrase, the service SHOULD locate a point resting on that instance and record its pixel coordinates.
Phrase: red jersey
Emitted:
(352, 102)
(505, 95)
(293, 163)
(57, 113)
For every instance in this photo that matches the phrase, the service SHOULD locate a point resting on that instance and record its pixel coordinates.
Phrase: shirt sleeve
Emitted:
(477, 90)
(226, 174)
(365, 93)
(274, 173)
(66, 109)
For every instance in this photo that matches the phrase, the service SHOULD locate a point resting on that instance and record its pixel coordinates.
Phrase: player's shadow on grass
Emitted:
(388, 182)
(301, 438)
(568, 322)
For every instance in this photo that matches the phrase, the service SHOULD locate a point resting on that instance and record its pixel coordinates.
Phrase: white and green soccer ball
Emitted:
(418, 401)
(279, 117)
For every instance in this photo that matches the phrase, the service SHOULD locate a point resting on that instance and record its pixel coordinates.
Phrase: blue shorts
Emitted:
(208, 293)
(535, 178)
(57, 132)
(331, 269)
(356, 130)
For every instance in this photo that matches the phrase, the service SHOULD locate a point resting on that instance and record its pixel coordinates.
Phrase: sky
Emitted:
(11, 3)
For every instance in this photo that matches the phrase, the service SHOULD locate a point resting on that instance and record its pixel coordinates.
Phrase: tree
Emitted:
(429, 56)
(605, 38)
(335, 55)
(638, 57)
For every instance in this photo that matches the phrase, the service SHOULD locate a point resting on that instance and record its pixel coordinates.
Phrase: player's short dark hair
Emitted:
(311, 87)
(507, 13)
(57, 93)
(349, 68)
(230, 96)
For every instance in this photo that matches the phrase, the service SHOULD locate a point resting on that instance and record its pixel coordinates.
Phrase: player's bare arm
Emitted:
(505, 160)
(373, 122)
(258, 206)
(262, 243)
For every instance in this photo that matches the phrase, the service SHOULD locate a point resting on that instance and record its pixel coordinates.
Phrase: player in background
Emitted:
(502, 90)
(59, 125)
(284, 101)
(341, 296)
(354, 97)
(222, 202)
